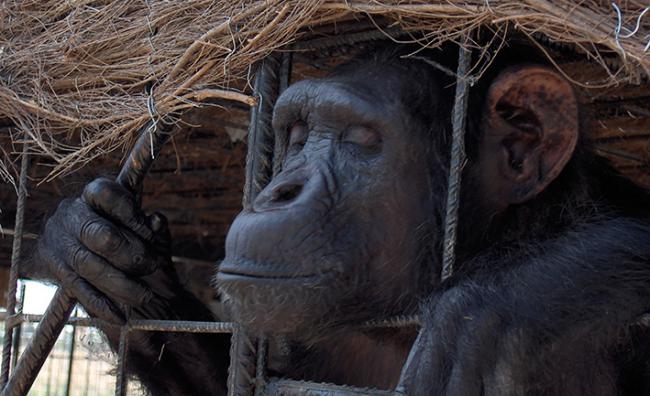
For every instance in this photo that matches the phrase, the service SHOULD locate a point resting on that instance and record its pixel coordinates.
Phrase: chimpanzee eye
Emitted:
(298, 133)
(362, 136)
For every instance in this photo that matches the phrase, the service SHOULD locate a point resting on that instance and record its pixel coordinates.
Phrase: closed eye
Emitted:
(298, 133)
(362, 136)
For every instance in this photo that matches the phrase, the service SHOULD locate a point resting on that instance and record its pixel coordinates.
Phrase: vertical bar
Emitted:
(260, 372)
(15, 349)
(50, 374)
(285, 80)
(121, 380)
(241, 373)
(73, 337)
(259, 168)
(15, 262)
(259, 157)
(285, 70)
(88, 365)
(423, 340)
(456, 162)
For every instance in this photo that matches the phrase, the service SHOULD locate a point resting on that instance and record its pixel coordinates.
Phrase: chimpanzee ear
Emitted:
(530, 132)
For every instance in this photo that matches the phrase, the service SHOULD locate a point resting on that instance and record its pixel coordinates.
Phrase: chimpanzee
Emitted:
(553, 250)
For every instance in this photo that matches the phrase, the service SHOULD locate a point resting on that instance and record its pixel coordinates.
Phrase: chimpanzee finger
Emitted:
(90, 298)
(422, 375)
(465, 377)
(106, 278)
(162, 238)
(475, 352)
(118, 245)
(113, 200)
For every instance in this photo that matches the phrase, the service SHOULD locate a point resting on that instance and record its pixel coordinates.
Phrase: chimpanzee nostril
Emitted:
(287, 192)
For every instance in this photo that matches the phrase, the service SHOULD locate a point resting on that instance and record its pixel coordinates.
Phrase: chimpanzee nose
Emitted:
(284, 191)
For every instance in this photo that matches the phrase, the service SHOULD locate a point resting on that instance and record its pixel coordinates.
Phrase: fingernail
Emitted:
(156, 222)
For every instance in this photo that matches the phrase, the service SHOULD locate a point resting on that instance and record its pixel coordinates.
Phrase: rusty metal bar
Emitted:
(259, 157)
(73, 337)
(456, 162)
(15, 263)
(259, 168)
(15, 351)
(121, 380)
(182, 326)
(241, 373)
(141, 324)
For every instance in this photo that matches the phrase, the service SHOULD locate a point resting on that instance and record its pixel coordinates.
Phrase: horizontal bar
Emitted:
(183, 326)
(15, 320)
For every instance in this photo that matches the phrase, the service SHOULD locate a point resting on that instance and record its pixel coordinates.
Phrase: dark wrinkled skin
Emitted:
(551, 271)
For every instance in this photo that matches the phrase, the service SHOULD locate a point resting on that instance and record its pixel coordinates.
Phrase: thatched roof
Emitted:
(73, 74)
(73, 77)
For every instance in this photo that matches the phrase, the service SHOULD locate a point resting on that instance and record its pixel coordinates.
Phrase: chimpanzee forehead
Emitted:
(388, 82)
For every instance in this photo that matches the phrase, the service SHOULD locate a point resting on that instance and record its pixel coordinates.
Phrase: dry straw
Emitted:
(73, 73)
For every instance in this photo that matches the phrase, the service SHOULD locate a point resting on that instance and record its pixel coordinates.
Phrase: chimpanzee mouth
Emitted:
(248, 270)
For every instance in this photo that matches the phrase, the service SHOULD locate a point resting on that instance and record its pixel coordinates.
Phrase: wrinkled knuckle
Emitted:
(98, 190)
(80, 256)
(105, 237)
(83, 267)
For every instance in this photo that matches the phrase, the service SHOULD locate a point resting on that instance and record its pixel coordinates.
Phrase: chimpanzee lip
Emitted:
(235, 276)
(243, 269)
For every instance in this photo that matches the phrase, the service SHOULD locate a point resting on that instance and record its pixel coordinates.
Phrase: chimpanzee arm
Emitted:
(170, 363)
(116, 262)
(550, 318)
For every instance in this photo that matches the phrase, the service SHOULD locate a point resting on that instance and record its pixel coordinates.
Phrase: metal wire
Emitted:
(121, 380)
(456, 162)
(259, 157)
(392, 322)
(182, 326)
(15, 263)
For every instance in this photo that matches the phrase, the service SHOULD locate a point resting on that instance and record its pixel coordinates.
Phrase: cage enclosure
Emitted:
(80, 82)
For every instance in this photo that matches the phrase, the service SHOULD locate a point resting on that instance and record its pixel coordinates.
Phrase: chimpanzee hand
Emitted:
(467, 346)
(108, 254)
(114, 260)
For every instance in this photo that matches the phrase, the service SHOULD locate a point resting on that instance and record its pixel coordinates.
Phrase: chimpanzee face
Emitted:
(337, 235)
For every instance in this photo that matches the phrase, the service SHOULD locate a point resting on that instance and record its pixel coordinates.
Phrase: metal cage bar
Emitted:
(15, 263)
(459, 117)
